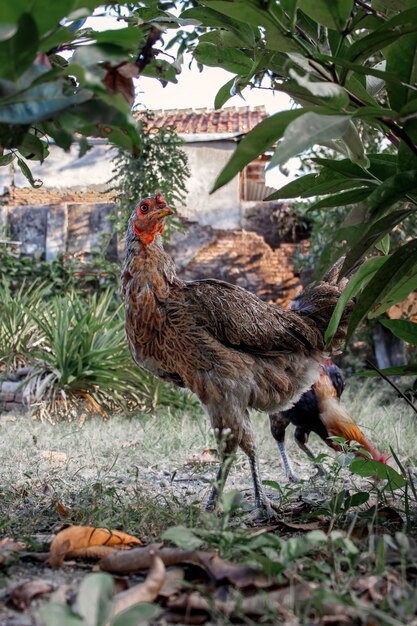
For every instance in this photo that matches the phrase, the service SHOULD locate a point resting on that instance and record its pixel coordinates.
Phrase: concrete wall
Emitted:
(66, 176)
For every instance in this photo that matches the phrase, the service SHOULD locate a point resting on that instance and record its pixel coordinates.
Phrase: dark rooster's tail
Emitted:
(318, 302)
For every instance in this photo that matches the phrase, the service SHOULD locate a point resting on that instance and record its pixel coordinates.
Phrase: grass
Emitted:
(132, 474)
(128, 472)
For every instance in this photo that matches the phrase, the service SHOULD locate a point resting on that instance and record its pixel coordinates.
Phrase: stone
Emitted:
(9, 386)
(56, 231)
(28, 225)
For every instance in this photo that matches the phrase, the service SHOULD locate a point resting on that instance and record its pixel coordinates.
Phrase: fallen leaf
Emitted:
(4, 419)
(209, 456)
(173, 582)
(61, 509)
(143, 592)
(74, 538)
(23, 594)
(216, 568)
(8, 547)
(53, 457)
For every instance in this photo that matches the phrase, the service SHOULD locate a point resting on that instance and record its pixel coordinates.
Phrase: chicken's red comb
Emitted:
(159, 198)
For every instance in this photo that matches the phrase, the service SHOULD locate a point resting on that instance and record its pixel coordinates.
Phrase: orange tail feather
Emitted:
(337, 420)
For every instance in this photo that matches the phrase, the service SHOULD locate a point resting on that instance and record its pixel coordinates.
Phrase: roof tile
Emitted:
(196, 121)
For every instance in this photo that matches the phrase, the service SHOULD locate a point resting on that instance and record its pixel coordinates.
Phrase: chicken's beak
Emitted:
(161, 213)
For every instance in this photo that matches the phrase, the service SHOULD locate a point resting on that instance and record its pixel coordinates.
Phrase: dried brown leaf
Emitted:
(209, 456)
(119, 80)
(80, 537)
(23, 594)
(143, 592)
(8, 546)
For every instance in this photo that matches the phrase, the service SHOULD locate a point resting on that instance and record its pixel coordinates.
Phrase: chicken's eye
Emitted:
(144, 208)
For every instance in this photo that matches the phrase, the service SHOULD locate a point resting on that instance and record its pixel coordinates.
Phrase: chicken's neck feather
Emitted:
(148, 266)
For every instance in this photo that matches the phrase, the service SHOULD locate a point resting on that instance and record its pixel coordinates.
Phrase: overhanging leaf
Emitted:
(399, 370)
(331, 13)
(18, 52)
(306, 131)
(401, 263)
(259, 139)
(358, 281)
(403, 329)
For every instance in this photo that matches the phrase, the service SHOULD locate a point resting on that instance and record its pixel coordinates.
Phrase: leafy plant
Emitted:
(84, 354)
(94, 606)
(19, 334)
(162, 166)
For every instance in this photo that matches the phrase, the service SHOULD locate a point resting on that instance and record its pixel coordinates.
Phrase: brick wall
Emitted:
(21, 196)
(239, 257)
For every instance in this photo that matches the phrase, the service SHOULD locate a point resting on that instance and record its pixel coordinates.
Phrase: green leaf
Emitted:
(18, 52)
(402, 61)
(95, 599)
(369, 467)
(31, 147)
(182, 537)
(402, 263)
(209, 17)
(306, 131)
(322, 89)
(6, 158)
(342, 199)
(143, 613)
(47, 14)
(28, 174)
(331, 13)
(128, 38)
(403, 329)
(224, 94)
(230, 59)
(38, 103)
(389, 192)
(53, 614)
(358, 281)
(295, 188)
(354, 145)
(384, 245)
(406, 284)
(399, 370)
(366, 236)
(259, 139)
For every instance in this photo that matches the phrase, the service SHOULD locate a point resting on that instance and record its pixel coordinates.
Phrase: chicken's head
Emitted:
(149, 218)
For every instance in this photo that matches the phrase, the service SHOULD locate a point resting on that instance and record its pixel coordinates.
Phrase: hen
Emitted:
(234, 351)
(318, 411)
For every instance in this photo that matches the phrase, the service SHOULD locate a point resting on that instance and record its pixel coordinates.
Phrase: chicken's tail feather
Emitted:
(319, 302)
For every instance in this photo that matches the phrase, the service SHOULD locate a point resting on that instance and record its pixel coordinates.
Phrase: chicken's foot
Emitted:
(309, 452)
(264, 506)
(221, 477)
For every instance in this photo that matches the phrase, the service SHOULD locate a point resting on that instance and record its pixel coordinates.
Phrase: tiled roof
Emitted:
(231, 120)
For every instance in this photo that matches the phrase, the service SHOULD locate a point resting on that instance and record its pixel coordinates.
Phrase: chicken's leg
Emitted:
(279, 423)
(227, 445)
(301, 438)
(247, 443)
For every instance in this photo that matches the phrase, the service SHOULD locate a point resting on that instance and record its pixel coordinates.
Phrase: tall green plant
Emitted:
(84, 355)
(162, 166)
(19, 334)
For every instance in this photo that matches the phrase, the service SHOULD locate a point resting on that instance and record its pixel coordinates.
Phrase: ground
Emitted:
(144, 474)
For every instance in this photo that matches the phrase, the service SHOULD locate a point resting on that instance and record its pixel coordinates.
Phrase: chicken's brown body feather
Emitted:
(234, 351)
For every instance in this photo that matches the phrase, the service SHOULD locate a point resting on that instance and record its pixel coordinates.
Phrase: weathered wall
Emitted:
(67, 178)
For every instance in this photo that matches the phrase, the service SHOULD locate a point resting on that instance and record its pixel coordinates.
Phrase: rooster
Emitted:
(318, 411)
(233, 350)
